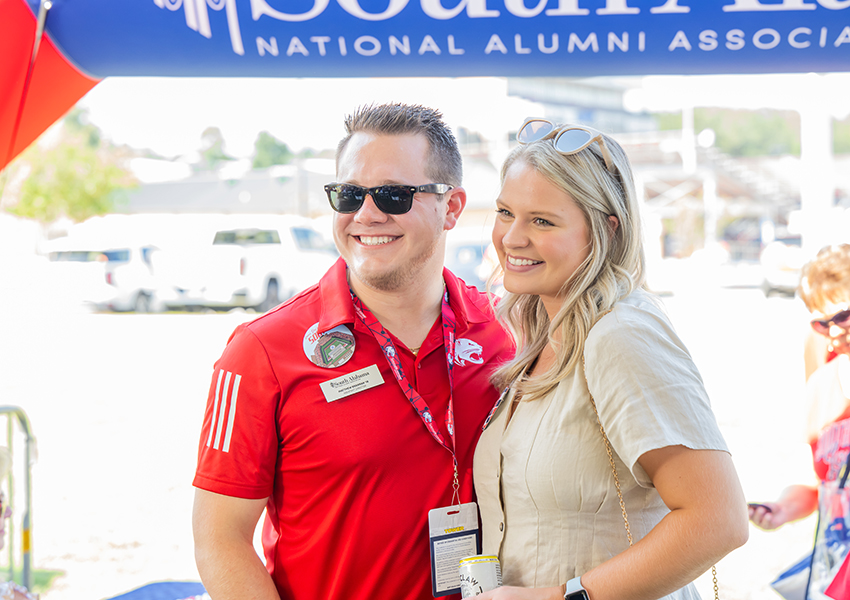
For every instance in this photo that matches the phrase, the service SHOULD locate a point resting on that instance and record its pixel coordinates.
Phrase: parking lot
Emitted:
(116, 402)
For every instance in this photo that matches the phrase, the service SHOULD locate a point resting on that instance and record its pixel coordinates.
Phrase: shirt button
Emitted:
(501, 526)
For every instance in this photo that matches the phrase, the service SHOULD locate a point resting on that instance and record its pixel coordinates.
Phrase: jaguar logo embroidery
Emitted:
(467, 350)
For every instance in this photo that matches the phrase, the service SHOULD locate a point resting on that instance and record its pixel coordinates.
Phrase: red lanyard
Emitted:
(390, 352)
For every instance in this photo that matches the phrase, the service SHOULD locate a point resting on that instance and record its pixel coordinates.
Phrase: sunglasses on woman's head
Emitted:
(392, 199)
(840, 319)
(568, 139)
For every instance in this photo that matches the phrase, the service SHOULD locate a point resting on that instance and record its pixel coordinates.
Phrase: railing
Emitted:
(664, 148)
(12, 413)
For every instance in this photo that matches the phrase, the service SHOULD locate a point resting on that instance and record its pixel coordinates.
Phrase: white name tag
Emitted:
(351, 383)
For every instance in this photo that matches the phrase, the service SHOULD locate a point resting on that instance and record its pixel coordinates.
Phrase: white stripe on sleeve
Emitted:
(231, 414)
(215, 406)
(220, 421)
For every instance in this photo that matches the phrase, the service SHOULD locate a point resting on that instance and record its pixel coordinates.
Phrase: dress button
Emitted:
(501, 526)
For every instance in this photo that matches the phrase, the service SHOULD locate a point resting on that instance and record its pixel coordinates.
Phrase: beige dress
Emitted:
(548, 503)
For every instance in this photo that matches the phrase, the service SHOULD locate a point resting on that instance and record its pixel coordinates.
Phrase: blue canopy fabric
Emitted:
(350, 38)
(164, 590)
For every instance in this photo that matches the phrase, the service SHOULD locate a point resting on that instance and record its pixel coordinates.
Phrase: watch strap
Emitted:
(573, 585)
(573, 590)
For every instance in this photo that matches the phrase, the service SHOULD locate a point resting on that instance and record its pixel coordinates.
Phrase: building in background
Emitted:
(598, 101)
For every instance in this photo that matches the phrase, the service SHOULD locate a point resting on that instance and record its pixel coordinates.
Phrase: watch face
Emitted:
(577, 595)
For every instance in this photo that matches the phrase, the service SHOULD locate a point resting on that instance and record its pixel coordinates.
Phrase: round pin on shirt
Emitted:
(329, 349)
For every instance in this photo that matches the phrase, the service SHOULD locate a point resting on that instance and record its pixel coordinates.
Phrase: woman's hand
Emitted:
(518, 593)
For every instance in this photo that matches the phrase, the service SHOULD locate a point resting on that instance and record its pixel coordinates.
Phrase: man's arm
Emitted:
(223, 528)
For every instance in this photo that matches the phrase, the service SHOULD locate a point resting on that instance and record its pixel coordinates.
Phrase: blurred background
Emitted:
(159, 213)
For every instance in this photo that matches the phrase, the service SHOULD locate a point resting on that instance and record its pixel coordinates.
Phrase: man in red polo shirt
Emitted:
(352, 410)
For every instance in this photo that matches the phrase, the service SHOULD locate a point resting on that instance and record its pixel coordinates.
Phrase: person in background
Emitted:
(9, 590)
(350, 411)
(825, 290)
(816, 352)
(596, 352)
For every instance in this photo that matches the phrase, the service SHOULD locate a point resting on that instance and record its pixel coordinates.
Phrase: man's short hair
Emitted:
(444, 161)
(826, 278)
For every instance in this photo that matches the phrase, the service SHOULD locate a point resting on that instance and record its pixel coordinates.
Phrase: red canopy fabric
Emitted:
(55, 84)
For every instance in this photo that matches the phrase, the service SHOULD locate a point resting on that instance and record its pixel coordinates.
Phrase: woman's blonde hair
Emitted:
(826, 278)
(612, 270)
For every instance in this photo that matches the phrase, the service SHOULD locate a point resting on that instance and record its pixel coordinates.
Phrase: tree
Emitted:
(76, 125)
(744, 132)
(841, 136)
(752, 133)
(79, 177)
(268, 151)
(212, 149)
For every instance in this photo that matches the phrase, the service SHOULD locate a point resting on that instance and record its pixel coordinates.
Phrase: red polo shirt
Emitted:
(350, 481)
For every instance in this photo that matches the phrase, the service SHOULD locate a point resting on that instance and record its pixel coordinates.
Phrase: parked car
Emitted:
(470, 255)
(782, 262)
(106, 276)
(256, 262)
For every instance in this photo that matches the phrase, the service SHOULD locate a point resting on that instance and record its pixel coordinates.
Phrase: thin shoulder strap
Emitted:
(610, 455)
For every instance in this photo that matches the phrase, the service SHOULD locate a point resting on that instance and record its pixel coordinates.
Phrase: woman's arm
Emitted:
(707, 520)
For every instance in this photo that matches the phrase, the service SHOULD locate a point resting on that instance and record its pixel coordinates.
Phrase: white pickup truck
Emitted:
(251, 262)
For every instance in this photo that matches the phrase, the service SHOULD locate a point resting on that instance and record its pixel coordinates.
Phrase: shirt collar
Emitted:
(337, 307)
(466, 311)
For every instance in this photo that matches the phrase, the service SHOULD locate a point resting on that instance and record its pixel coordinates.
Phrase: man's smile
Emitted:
(376, 240)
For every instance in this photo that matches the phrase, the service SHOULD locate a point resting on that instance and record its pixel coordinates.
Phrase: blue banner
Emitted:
(352, 38)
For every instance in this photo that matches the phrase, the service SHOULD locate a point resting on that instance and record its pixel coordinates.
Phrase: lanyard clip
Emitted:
(455, 485)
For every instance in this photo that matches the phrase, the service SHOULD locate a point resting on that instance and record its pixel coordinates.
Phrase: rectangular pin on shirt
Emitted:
(351, 383)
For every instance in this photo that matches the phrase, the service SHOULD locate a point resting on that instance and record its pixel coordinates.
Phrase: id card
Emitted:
(454, 534)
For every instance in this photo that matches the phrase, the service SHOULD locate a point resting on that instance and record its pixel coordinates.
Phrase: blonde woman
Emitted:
(568, 237)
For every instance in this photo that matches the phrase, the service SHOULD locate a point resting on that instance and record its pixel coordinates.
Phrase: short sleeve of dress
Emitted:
(239, 439)
(647, 388)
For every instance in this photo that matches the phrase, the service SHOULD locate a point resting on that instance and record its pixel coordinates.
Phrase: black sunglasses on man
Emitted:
(347, 198)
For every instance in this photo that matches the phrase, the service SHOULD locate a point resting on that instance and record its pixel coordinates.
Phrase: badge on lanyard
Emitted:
(329, 349)
(453, 535)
